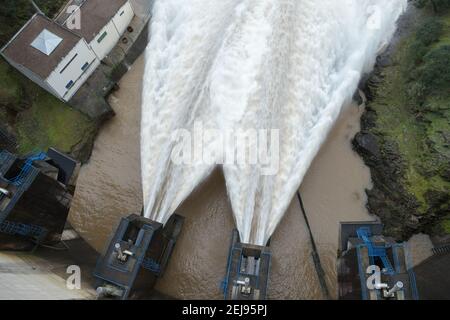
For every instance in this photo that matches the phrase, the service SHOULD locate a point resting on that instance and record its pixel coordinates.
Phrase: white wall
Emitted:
(82, 80)
(92, 53)
(31, 75)
(123, 18)
(64, 72)
(107, 44)
(115, 29)
(142, 8)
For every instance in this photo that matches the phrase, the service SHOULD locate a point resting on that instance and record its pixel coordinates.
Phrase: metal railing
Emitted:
(26, 230)
(441, 249)
(28, 165)
(375, 251)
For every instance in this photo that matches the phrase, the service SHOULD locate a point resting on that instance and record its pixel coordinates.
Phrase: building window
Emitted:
(69, 84)
(103, 36)
(85, 66)
(71, 60)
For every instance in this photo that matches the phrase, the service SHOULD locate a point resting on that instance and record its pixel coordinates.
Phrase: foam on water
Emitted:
(262, 64)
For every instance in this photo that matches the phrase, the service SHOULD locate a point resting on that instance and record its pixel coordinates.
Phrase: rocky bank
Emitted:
(407, 151)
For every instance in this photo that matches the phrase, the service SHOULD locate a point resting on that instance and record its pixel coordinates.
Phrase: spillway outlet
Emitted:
(373, 266)
(35, 196)
(247, 271)
(136, 257)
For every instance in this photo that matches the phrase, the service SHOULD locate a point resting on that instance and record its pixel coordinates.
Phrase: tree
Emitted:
(435, 73)
(15, 9)
(13, 14)
(438, 5)
(430, 31)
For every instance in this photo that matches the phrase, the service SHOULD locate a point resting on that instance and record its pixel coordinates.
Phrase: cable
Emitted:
(314, 253)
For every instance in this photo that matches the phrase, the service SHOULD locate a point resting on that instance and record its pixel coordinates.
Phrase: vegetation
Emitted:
(412, 106)
(38, 119)
(35, 117)
(438, 5)
(14, 13)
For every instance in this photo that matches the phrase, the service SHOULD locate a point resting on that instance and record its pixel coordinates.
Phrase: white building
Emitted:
(59, 57)
(102, 22)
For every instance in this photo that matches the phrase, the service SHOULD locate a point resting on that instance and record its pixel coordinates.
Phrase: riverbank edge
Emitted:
(389, 199)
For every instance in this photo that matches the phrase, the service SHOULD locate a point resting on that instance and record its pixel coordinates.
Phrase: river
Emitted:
(333, 190)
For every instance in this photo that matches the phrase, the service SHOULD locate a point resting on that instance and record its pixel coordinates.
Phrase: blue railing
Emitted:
(151, 265)
(375, 251)
(26, 230)
(28, 165)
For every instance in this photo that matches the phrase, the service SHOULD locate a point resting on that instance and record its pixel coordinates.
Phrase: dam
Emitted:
(176, 59)
(233, 66)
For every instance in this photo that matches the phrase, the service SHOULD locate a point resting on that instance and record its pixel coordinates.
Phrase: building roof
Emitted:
(46, 42)
(95, 14)
(21, 51)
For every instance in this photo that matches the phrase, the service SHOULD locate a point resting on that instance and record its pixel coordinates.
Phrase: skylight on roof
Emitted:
(46, 42)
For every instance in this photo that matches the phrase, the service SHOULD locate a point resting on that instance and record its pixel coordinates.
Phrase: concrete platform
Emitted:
(42, 274)
(432, 278)
(27, 277)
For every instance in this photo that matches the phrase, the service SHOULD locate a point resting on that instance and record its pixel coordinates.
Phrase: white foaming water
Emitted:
(263, 64)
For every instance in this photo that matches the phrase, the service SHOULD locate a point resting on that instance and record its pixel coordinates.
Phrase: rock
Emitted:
(413, 222)
(420, 248)
(367, 144)
(403, 209)
(7, 139)
(357, 98)
(82, 150)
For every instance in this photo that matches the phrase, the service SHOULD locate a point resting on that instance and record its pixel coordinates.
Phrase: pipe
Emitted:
(5, 192)
(120, 255)
(315, 255)
(36, 7)
(397, 287)
(380, 286)
(109, 290)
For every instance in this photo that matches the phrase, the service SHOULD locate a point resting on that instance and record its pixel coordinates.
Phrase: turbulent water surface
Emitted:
(238, 64)
(109, 187)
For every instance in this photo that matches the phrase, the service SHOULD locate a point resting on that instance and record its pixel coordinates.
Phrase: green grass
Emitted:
(45, 121)
(396, 123)
(50, 123)
(445, 38)
(11, 92)
(40, 120)
(446, 225)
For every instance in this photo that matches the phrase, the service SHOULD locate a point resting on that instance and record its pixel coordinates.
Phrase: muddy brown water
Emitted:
(109, 187)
